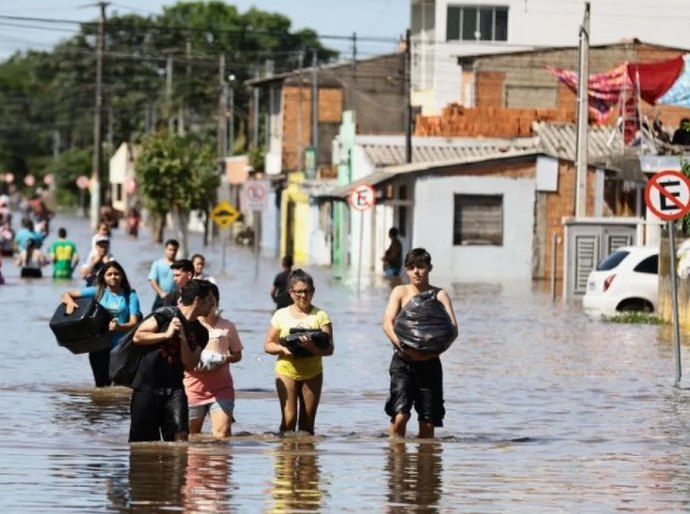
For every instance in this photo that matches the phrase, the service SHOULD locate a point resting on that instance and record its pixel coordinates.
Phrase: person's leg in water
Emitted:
(426, 430)
(398, 426)
(221, 418)
(309, 396)
(287, 394)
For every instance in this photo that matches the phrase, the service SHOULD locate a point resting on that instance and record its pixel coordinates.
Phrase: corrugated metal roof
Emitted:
(459, 150)
(559, 140)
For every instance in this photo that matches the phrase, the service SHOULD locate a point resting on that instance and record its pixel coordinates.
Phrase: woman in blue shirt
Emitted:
(112, 290)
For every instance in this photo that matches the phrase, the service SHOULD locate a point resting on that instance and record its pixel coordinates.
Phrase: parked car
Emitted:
(626, 280)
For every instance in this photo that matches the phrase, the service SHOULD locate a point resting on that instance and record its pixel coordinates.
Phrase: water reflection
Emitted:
(92, 410)
(414, 477)
(209, 477)
(156, 478)
(297, 475)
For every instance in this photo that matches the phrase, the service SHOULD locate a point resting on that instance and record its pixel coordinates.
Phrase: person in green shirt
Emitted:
(63, 254)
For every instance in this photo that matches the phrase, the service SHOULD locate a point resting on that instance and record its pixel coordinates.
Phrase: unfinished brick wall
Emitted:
(456, 120)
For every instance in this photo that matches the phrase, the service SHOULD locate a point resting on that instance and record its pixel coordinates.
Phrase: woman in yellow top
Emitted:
(299, 378)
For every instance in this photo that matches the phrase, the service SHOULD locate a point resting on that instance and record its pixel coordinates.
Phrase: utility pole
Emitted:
(230, 148)
(222, 113)
(255, 111)
(97, 170)
(315, 106)
(582, 139)
(300, 144)
(353, 96)
(169, 93)
(408, 100)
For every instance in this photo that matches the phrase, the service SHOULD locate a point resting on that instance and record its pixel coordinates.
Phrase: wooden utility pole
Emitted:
(97, 169)
(408, 100)
(315, 106)
(582, 139)
(222, 113)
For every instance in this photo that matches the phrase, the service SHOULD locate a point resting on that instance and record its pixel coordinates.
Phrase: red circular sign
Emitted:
(667, 194)
(362, 197)
(130, 185)
(82, 181)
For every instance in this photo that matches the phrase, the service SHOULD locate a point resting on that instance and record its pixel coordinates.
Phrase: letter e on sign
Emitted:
(667, 195)
(362, 197)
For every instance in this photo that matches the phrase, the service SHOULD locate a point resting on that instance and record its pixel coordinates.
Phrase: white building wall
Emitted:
(531, 24)
(433, 228)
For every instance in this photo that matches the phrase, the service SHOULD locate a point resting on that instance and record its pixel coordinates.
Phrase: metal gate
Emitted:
(587, 241)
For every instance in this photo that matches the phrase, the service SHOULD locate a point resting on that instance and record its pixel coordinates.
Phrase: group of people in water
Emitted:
(186, 346)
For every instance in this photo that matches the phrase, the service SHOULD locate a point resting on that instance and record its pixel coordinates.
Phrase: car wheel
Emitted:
(636, 306)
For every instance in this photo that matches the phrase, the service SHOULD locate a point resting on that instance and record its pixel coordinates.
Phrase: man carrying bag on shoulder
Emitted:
(158, 406)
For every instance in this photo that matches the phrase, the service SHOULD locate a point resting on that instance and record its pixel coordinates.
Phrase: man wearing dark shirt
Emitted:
(169, 345)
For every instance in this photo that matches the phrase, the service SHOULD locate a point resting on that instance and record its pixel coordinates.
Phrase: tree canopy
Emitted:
(47, 98)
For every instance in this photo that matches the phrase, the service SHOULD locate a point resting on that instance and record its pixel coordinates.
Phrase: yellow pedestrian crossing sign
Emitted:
(224, 214)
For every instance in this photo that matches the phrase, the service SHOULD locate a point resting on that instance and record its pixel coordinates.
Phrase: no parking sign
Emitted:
(667, 195)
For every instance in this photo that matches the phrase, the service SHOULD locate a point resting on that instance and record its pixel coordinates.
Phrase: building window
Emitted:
(476, 23)
(478, 220)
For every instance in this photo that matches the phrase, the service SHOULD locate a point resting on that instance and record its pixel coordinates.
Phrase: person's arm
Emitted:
(148, 333)
(271, 344)
(234, 346)
(391, 312)
(309, 344)
(153, 280)
(69, 299)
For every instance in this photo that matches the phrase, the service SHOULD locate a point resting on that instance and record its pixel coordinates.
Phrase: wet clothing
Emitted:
(62, 253)
(121, 306)
(299, 368)
(418, 384)
(206, 387)
(158, 407)
(158, 415)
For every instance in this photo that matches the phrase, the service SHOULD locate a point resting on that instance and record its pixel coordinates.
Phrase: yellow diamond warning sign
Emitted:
(224, 214)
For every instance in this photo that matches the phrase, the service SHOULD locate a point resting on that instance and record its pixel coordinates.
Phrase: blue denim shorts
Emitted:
(200, 411)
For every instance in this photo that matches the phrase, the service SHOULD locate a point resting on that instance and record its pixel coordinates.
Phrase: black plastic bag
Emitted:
(424, 325)
(320, 338)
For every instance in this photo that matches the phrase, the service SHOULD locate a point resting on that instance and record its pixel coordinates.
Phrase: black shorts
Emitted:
(418, 384)
(158, 414)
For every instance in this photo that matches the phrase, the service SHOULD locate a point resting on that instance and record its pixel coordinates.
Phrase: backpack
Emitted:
(125, 357)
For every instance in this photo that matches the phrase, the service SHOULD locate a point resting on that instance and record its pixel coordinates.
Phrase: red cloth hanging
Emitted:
(655, 77)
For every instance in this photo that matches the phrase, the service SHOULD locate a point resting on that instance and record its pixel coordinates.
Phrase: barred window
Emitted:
(476, 23)
(478, 220)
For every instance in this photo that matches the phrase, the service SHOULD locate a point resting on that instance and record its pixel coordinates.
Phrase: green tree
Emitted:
(177, 175)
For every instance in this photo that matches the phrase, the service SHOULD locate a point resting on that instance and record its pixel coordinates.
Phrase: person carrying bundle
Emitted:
(420, 323)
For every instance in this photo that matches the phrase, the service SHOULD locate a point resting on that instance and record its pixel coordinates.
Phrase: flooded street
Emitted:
(546, 410)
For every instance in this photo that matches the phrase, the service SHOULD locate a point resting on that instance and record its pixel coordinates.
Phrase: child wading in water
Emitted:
(416, 376)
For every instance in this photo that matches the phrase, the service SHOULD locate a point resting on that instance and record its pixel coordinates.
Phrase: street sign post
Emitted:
(255, 197)
(361, 198)
(667, 195)
(224, 215)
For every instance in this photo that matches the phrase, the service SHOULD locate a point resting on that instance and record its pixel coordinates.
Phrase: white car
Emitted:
(626, 280)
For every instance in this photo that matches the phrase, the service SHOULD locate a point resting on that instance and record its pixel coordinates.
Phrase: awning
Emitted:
(343, 191)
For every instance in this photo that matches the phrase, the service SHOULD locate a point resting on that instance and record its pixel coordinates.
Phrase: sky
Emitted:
(367, 18)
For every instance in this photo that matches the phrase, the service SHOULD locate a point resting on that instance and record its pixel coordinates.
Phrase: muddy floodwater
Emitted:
(547, 411)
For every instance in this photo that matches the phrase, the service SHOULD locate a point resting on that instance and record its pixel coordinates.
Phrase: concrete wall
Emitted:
(433, 228)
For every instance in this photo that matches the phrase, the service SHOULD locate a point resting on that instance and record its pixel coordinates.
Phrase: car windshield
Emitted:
(613, 260)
